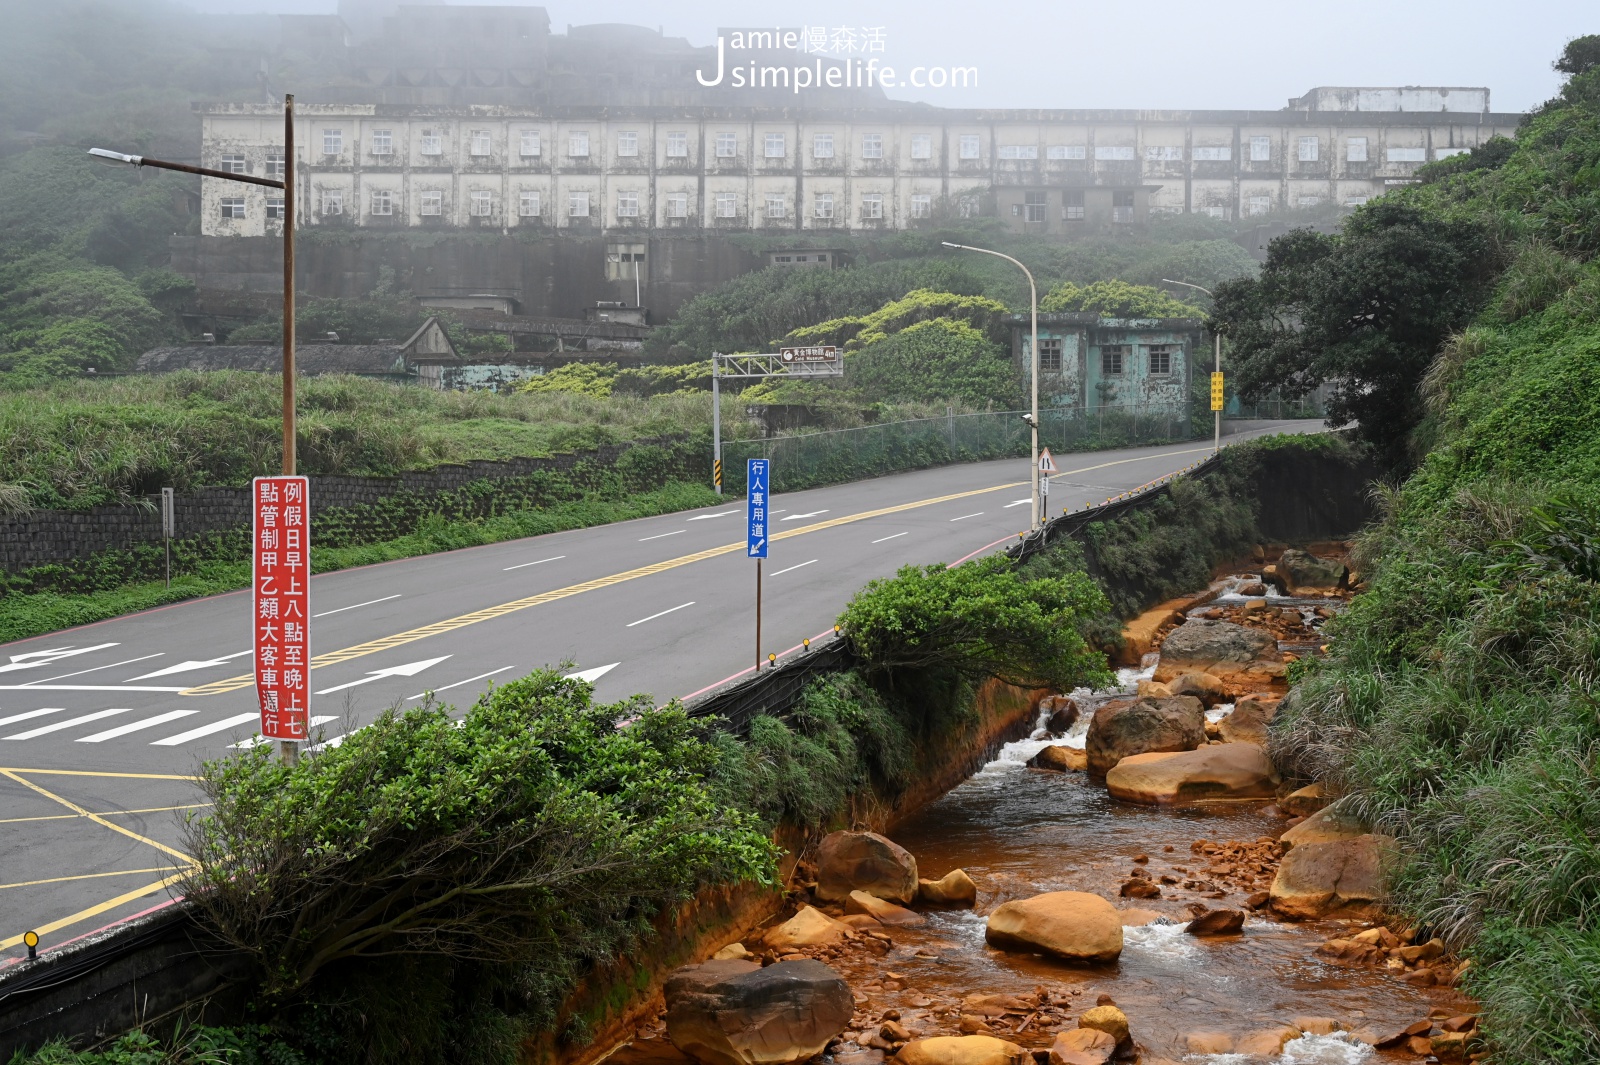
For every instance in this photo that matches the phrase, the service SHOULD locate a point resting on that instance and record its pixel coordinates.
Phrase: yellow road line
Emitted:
(399, 639)
(87, 773)
(103, 813)
(81, 876)
(97, 819)
(94, 911)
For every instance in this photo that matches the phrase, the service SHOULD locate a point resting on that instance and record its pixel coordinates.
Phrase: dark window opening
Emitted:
(1161, 360)
(1049, 355)
(1034, 202)
(1111, 360)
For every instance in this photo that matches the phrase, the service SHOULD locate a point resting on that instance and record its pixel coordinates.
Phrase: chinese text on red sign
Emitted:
(280, 605)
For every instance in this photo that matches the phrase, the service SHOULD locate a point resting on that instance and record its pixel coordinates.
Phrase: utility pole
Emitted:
(1216, 373)
(716, 421)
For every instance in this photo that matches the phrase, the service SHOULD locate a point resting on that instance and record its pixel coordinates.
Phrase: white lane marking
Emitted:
(410, 669)
(70, 722)
(45, 658)
(791, 569)
(459, 683)
(256, 741)
(593, 674)
(31, 713)
(206, 730)
(652, 617)
(896, 536)
(354, 606)
(1018, 503)
(183, 667)
(661, 536)
(81, 672)
(718, 514)
(82, 688)
(135, 726)
(974, 514)
(552, 558)
(797, 517)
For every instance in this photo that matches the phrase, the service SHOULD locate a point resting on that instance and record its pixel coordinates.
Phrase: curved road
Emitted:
(101, 726)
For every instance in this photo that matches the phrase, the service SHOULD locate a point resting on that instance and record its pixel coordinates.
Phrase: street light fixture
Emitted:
(1216, 415)
(1032, 418)
(287, 749)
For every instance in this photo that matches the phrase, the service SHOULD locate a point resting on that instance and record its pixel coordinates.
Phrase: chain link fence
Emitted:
(833, 456)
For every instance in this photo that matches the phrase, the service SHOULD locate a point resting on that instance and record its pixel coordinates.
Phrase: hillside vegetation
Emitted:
(1457, 707)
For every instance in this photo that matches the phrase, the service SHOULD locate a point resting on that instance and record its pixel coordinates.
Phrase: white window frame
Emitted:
(1117, 153)
(727, 204)
(1072, 211)
(822, 205)
(332, 201)
(872, 146)
(481, 144)
(822, 146)
(430, 203)
(1308, 201)
(234, 164)
(275, 208)
(529, 146)
(1019, 151)
(1405, 155)
(1213, 153)
(431, 143)
(577, 205)
(677, 144)
(383, 142)
(921, 205)
(774, 146)
(381, 202)
(482, 204)
(332, 141)
(232, 206)
(1355, 150)
(1261, 149)
(528, 205)
(627, 203)
(777, 207)
(1163, 153)
(627, 144)
(1308, 149)
(1258, 204)
(727, 145)
(578, 144)
(1166, 352)
(871, 206)
(677, 205)
(273, 167)
(922, 146)
(1067, 151)
(970, 146)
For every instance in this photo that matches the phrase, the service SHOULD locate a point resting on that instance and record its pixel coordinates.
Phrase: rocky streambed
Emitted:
(1131, 883)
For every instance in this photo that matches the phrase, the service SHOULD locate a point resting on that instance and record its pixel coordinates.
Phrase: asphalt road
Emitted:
(101, 726)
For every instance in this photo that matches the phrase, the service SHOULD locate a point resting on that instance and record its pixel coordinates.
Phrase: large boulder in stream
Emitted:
(1120, 729)
(1234, 654)
(1216, 771)
(962, 1050)
(1249, 720)
(738, 1013)
(865, 861)
(1305, 574)
(1071, 925)
(1343, 877)
(955, 888)
(1059, 758)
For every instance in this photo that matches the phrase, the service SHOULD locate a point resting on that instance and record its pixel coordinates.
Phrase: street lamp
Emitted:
(1033, 419)
(287, 185)
(287, 749)
(1216, 415)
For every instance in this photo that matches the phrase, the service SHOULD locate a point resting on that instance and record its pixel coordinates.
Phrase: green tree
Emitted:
(1116, 299)
(940, 359)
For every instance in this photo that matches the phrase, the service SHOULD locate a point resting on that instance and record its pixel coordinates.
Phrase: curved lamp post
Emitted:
(1033, 417)
(1216, 420)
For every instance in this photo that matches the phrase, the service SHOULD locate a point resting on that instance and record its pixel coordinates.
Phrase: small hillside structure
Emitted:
(429, 346)
(1088, 361)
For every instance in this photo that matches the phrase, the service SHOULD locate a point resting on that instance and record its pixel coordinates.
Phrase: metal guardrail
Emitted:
(774, 691)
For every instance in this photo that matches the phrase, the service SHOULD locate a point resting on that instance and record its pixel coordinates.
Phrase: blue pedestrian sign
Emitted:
(757, 477)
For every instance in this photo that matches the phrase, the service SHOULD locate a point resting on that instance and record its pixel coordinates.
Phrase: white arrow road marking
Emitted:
(44, 658)
(1018, 503)
(41, 687)
(718, 514)
(797, 517)
(410, 669)
(135, 726)
(791, 569)
(652, 617)
(31, 714)
(896, 536)
(206, 730)
(184, 667)
(552, 558)
(592, 675)
(459, 683)
(353, 606)
(59, 725)
(256, 741)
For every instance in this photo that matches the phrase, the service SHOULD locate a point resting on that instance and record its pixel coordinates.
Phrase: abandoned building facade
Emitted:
(1142, 364)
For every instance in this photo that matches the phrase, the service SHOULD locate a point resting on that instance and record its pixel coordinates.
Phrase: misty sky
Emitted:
(1157, 53)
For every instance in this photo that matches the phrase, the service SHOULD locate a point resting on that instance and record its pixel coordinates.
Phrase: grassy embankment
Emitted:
(1457, 708)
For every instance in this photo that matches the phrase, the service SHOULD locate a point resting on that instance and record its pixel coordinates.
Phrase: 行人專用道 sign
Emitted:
(818, 353)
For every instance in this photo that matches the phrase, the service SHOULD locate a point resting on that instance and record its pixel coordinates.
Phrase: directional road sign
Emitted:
(757, 478)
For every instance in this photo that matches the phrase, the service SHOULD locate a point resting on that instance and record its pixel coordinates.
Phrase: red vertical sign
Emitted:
(280, 604)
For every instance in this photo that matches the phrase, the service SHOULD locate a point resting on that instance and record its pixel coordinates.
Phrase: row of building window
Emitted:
(775, 146)
(1113, 357)
(430, 202)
